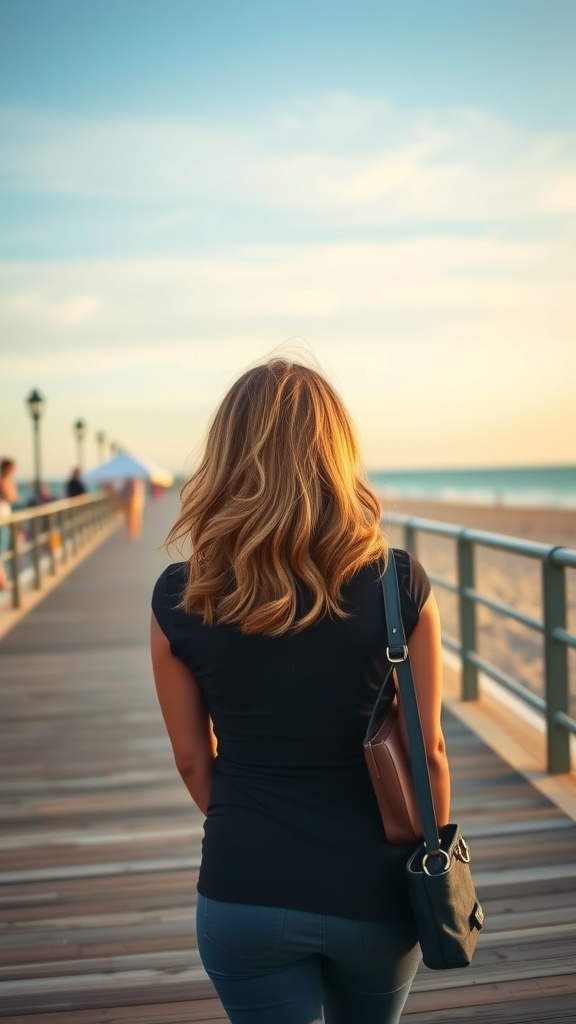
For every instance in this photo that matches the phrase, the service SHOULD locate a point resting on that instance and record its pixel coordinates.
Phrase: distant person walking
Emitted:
(133, 496)
(273, 635)
(8, 496)
(75, 485)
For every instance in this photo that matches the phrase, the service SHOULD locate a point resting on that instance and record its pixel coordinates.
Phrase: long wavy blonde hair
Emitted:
(277, 505)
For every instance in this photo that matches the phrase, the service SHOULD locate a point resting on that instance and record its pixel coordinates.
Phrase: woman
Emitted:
(271, 638)
(8, 495)
(133, 500)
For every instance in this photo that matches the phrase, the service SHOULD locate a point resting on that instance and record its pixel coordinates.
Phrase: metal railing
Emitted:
(554, 561)
(37, 542)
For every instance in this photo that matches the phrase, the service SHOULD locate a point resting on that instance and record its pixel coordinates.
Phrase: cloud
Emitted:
(353, 161)
(383, 288)
(37, 307)
(452, 292)
(463, 331)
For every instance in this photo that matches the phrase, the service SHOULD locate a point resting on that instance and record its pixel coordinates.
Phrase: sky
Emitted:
(386, 190)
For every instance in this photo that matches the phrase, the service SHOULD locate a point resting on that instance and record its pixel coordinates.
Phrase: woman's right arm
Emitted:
(425, 650)
(186, 718)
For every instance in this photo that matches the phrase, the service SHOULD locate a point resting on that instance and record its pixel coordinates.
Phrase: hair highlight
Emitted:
(277, 506)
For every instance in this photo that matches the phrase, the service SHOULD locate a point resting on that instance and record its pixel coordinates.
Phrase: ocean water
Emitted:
(526, 486)
(56, 489)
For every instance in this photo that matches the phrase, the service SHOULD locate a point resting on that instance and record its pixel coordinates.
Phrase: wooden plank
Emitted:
(535, 1008)
(163, 1013)
(100, 846)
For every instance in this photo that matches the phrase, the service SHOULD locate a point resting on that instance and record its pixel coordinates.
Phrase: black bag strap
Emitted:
(397, 654)
(387, 690)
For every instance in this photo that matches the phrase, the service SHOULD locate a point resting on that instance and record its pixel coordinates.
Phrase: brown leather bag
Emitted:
(390, 771)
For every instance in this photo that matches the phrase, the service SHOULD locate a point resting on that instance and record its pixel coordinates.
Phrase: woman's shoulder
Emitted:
(168, 588)
(413, 579)
(175, 571)
(407, 565)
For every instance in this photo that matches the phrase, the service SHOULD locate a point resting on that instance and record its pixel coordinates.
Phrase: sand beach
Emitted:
(547, 525)
(513, 579)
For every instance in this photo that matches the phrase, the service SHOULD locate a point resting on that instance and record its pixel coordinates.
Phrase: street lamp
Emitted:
(35, 404)
(100, 441)
(80, 431)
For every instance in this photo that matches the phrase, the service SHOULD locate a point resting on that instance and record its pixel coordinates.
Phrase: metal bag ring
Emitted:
(462, 851)
(437, 853)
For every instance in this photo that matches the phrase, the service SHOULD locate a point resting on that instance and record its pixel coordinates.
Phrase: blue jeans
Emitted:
(275, 966)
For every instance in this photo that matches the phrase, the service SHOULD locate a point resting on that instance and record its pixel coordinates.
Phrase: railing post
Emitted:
(16, 590)
(410, 537)
(4, 557)
(62, 527)
(35, 524)
(555, 666)
(52, 543)
(467, 611)
(83, 533)
(71, 516)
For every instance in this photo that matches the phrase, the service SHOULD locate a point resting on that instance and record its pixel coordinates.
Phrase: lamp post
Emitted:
(35, 404)
(80, 431)
(100, 441)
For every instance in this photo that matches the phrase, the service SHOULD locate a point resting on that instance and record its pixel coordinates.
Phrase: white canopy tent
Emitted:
(125, 466)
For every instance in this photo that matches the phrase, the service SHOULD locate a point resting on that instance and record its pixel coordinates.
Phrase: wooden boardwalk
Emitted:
(100, 843)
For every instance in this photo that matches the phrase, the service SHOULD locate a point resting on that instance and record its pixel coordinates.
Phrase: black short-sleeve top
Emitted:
(292, 820)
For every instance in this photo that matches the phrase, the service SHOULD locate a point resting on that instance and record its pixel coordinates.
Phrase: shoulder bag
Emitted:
(446, 908)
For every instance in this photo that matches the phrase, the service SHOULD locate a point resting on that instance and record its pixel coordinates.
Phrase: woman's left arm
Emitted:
(185, 716)
(10, 490)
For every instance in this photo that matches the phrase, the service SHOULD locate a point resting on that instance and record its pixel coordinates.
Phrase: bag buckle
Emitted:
(393, 655)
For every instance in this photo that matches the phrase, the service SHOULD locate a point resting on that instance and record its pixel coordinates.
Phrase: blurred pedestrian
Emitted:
(133, 498)
(75, 485)
(8, 496)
